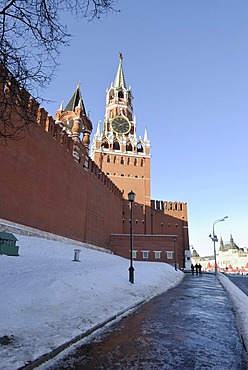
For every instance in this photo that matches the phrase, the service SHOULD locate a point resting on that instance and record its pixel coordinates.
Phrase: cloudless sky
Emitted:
(187, 63)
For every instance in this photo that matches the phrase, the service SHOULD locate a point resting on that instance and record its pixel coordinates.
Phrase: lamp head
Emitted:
(131, 196)
(223, 219)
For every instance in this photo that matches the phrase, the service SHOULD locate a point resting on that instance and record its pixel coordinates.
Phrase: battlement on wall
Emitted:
(76, 148)
(22, 106)
(167, 206)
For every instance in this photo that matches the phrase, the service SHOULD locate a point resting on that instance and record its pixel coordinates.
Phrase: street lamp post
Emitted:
(131, 197)
(175, 257)
(215, 239)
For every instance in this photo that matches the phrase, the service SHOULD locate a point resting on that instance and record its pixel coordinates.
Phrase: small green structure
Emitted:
(8, 244)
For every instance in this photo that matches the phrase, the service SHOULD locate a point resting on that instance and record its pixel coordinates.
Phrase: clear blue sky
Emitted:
(187, 63)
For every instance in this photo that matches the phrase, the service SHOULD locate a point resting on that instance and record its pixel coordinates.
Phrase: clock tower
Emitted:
(116, 149)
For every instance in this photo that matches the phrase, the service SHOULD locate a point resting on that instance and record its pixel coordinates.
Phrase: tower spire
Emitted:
(146, 136)
(119, 78)
(75, 101)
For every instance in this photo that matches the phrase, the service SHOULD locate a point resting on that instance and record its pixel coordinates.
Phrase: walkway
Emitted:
(192, 326)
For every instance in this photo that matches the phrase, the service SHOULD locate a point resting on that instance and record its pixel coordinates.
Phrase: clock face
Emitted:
(121, 125)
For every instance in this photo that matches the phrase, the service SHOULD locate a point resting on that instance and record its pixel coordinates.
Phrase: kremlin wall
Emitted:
(49, 182)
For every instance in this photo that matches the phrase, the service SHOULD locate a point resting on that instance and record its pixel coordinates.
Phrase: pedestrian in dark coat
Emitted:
(192, 268)
(200, 268)
(196, 268)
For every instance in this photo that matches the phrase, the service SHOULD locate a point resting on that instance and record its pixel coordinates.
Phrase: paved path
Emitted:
(192, 326)
(241, 281)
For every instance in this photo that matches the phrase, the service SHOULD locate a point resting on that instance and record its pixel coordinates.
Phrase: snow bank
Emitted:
(240, 302)
(46, 298)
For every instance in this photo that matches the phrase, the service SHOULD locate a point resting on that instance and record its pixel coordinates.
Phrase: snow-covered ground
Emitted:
(240, 303)
(47, 299)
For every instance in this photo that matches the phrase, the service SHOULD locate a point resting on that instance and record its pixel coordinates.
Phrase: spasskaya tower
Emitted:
(116, 149)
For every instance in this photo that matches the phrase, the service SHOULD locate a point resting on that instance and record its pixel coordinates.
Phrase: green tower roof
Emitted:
(75, 101)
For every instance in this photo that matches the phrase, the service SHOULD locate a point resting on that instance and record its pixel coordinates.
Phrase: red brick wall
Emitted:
(42, 186)
(120, 244)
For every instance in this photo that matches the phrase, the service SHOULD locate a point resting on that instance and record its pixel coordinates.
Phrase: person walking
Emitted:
(196, 268)
(192, 268)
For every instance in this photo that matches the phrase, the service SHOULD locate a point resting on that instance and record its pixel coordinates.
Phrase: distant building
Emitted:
(230, 258)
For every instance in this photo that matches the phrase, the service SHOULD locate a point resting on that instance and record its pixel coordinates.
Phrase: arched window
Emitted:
(129, 147)
(115, 159)
(140, 148)
(135, 162)
(111, 94)
(122, 160)
(120, 94)
(108, 159)
(142, 162)
(128, 161)
(116, 145)
(105, 144)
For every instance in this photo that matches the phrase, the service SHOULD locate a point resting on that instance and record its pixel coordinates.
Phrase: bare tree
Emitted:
(31, 35)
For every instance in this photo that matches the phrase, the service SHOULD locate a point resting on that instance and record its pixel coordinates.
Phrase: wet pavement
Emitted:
(192, 326)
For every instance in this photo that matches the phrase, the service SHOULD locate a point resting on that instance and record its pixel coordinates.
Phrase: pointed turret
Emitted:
(146, 136)
(232, 244)
(98, 132)
(119, 78)
(75, 101)
(74, 120)
(221, 248)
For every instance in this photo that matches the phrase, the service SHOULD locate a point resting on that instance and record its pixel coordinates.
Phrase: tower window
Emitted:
(116, 145)
(111, 94)
(129, 147)
(120, 95)
(105, 144)
(135, 162)
(122, 160)
(108, 159)
(122, 174)
(139, 148)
